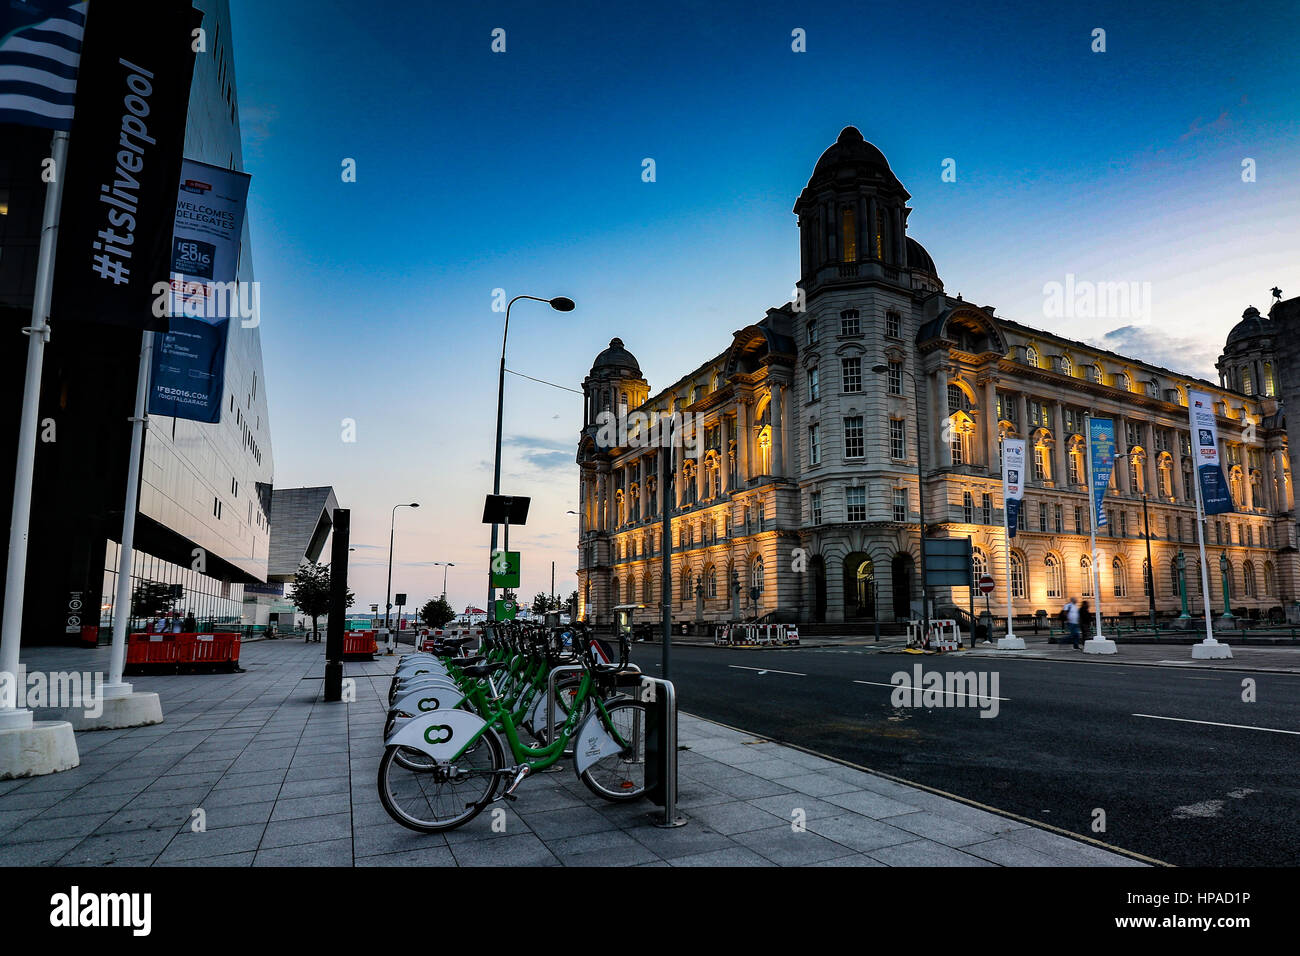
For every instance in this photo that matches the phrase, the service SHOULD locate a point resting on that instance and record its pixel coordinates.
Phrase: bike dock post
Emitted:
(551, 700)
(661, 749)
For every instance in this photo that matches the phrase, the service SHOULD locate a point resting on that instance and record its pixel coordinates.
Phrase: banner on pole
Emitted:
(1013, 480)
(1101, 442)
(1215, 495)
(189, 362)
(124, 163)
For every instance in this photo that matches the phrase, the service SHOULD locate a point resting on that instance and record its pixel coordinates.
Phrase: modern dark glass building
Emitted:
(205, 489)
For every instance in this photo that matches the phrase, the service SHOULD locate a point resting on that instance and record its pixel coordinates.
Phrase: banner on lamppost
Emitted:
(1215, 496)
(124, 162)
(1013, 480)
(189, 362)
(1101, 451)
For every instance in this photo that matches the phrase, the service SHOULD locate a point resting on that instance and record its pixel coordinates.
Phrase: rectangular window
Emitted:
(849, 322)
(855, 497)
(813, 337)
(1042, 516)
(895, 378)
(814, 445)
(851, 372)
(897, 446)
(967, 507)
(986, 509)
(958, 449)
(1078, 519)
(900, 504)
(1123, 524)
(815, 507)
(1074, 469)
(893, 325)
(814, 384)
(1040, 473)
(1060, 520)
(854, 446)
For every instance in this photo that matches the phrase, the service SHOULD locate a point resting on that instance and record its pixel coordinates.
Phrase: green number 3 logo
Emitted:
(428, 700)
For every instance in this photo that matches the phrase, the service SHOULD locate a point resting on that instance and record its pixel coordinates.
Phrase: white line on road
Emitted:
(1213, 723)
(928, 690)
(766, 670)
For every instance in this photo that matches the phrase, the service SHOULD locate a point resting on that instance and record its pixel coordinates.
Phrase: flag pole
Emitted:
(1098, 643)
(122, 601)
(13, 717)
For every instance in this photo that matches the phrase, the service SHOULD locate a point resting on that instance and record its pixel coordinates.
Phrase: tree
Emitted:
(572, 605)
(311, 592)
(436, 612)
(151, 598)
(541, 603)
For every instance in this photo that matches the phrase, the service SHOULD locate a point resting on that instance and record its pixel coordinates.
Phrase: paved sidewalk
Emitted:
(282, 778)
(1285, 659)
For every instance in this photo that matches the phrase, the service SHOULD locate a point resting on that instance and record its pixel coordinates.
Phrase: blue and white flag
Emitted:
(1216, 498)
(1101, 455)
(40, 48)
(1013, 481)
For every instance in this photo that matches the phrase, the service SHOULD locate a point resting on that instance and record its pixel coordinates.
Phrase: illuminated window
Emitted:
(1017, 574)
(849, 221)
(1031, 357)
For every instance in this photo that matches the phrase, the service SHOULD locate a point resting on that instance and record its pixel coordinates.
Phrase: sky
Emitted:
(522, 171)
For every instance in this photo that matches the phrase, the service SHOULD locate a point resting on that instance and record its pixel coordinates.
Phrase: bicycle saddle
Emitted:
(482, 670)
(467, 661)
(458, 641)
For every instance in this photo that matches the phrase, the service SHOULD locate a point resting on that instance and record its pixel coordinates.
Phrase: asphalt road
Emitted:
(1064, 743)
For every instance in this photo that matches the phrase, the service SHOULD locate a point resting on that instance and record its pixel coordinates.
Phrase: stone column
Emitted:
(778, 432)
(701, 486)
(742, 442)
(602, 491)
(1122, 484)
(1176, 478)
(1247, 491)
(724, 461)
(944, 448)
(1149, 443)
(1060, 464)
(991, 459)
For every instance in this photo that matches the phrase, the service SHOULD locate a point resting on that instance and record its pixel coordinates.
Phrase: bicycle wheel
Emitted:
(431, 796)
(620, 777)
(566, 692)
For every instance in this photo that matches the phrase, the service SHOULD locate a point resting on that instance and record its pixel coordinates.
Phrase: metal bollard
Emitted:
(671, 818)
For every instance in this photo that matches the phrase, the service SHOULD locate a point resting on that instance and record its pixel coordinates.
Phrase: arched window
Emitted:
(1123, 382)
(1066, 365)
(1270, 386)
(1055, 579)
(1270, 579)
(685, 576)
(1119, 577)
(711, 587)
(1147, 583)
(1085, 573)
(613, 589)
(1249, 584)
(1019, 580)
(756, 575)
(1247, 381)
(979, 566)
(1031, 357)
(647, 595)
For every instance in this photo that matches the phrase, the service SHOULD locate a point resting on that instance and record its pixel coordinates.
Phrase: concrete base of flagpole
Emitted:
(114, 713)
(1100, 645)
(47, 746)
(1011, 643)
(1205, 651)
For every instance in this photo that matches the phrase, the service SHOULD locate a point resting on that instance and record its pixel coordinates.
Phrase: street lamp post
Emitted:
(388, 593)
(559, 304)
(444, 565)
(920, 493)
(1151, 568)
(1227, 597)
(1182, 583)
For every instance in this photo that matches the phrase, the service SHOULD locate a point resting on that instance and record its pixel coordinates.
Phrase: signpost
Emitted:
(948, 564)
(506, 510)
(986, 586)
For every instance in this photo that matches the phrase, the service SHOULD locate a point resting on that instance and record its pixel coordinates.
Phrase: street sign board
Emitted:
(400, 598)
(986, 584)
(947, 562)
(505, 569)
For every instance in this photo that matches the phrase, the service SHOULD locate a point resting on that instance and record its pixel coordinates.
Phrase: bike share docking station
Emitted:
(660, 698)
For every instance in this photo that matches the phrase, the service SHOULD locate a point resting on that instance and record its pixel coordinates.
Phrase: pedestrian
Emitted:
(1071, 612)
(1085, 620)
(191, 625)
(176, 622)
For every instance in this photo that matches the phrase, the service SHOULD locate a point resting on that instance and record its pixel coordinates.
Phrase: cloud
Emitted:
(1223, 122)
(548, 460)
(1158, 347)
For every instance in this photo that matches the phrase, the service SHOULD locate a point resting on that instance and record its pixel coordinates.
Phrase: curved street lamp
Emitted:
(560, 304)
(388, 594)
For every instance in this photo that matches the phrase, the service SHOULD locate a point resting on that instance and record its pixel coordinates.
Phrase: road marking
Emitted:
(932, 690)
(1214, 723)
(766, 670)
(1010, 815)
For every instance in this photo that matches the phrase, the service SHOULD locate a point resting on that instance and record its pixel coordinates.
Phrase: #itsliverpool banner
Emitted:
(1101, 444)
(1013, 480)
(1215, 496)
(189, 361)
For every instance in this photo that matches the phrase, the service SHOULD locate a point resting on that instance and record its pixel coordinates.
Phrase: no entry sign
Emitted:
(986, 583)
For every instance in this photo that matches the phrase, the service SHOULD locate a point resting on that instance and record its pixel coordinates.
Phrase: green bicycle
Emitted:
(440, 770)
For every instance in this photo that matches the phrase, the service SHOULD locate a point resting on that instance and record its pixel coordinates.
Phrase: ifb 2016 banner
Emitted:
(189, 361)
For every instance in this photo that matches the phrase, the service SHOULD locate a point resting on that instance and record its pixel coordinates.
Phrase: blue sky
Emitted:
(522, 171)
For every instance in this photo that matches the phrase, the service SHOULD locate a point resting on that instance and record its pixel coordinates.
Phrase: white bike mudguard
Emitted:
(592, 742)
(422, 668)
(422, 700)
(440, 734)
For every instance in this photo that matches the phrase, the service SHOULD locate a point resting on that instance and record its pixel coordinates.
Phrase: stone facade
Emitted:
(805, 487)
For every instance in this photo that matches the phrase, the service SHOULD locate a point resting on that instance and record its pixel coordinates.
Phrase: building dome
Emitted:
(1251, 325)
(918, 259)
(851, 151)
(615, 358)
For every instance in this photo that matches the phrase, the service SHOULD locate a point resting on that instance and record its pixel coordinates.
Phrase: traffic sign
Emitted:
(986, 584)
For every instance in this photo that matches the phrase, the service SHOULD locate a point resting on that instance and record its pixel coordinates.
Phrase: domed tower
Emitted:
(614, 384)
(852, 212)
(1249, 361)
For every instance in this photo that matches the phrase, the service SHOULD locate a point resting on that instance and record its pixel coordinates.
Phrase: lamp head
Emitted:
(562, 304)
